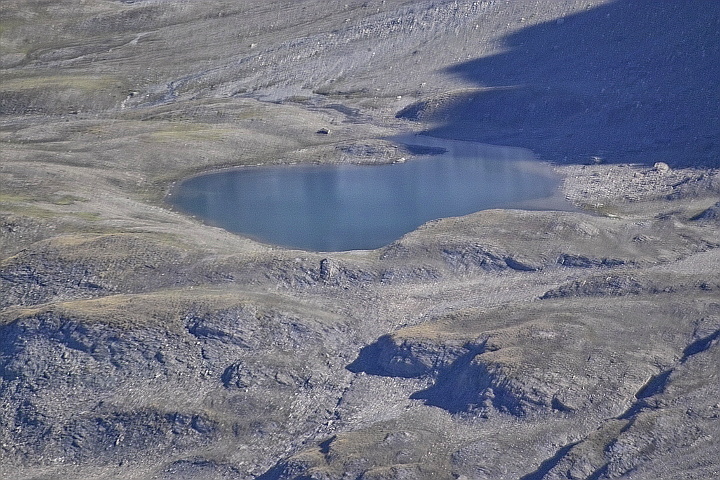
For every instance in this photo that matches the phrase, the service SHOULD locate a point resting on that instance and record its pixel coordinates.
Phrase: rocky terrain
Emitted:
(139, 343)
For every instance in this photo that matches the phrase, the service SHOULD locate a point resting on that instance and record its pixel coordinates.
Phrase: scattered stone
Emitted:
(328, 269)
(661, 167)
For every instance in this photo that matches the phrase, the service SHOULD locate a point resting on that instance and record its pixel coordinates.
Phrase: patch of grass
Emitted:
(10, 42)
(166, 309)
(88, 216)
(9, 198)
(68, 200)
(31, 211)
(23, 208)
(189, 131)
(74, 82)
(28, 206)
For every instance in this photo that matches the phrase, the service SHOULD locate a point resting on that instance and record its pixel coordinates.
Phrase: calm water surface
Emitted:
(353, 207)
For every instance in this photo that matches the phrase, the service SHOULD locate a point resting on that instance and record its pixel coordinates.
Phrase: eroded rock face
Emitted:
(397, 357)
(82, 393)
(77, 388)
(161, 375)
(545, 369)
(89, 266)
(159, 379)
(524, 369)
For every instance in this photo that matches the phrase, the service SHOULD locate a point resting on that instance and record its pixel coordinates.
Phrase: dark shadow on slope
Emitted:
(546, 466)
(658, 383)
(370, 358)
(275, 473)
(711, 214)
(700, 345)
(630, 81)
(469, 385)
(461, 387)
(462, 382)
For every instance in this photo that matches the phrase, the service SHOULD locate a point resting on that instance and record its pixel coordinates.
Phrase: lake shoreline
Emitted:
(353, 201)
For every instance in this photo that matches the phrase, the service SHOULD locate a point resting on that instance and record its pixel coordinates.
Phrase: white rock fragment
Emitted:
(661, 167)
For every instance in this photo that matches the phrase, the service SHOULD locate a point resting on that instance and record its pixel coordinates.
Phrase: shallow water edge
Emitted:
(362, 207)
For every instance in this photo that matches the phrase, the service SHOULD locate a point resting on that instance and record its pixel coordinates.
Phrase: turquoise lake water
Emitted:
(359, 207)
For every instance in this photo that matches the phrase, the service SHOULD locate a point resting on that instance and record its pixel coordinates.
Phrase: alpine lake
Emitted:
(361, 207)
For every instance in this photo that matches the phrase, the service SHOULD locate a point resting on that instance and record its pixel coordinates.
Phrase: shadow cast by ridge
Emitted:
(627, 81)
(462, 382)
